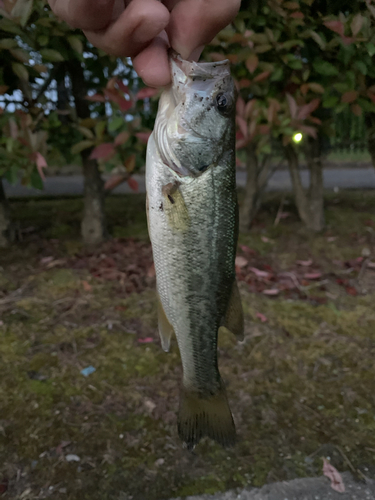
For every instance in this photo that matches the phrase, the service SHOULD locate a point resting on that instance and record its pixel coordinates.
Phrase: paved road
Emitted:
(315, 488)
(359, 178)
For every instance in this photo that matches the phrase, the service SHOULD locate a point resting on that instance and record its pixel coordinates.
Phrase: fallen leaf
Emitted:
(262, 317)
(86, 286)
(271, 291)
(312, 276)
(46, 260)
(351, 290)
(259, 273)
(241, 262)
(332, 473)
(266, 240)
(305, 263)
(146, 340)
(151, 271)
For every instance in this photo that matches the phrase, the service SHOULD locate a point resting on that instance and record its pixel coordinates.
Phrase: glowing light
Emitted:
(297, 137)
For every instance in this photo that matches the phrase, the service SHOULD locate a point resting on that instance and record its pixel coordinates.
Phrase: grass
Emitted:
(300, 385)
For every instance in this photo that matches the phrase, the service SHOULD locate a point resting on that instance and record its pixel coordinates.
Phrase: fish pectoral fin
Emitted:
(234, 319)
(147, 213)
(201, 416)
(175, 208)
(165, 328)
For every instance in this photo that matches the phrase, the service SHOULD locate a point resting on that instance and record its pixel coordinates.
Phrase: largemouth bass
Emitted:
(193, 225)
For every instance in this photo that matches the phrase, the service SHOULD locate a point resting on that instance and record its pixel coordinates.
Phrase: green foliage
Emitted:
(38, 55)
(298, 63)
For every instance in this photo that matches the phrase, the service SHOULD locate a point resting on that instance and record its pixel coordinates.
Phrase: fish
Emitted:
(192, 214)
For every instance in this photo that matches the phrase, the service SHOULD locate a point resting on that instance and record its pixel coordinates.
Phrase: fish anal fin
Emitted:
(234, 319)
(201, 416)
(165, 328)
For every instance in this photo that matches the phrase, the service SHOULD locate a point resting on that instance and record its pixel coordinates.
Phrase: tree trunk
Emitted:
(370, 126)
(309, 205)
(248, 205)
(5, 225)
(93, 226)
(257, 175)
(315, 195)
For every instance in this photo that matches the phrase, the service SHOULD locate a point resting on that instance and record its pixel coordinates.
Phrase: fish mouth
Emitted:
(197, 70)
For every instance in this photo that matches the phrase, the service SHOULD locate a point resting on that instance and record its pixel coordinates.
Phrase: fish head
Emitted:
(199, 126)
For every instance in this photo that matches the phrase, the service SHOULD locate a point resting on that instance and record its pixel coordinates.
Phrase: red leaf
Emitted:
(143, 136)
(262, 76)
(240, 106)
(307, 109)
(95, 98)
(133, 184)
(40, 164)
(124, 88)
(349, 96)
(102, 151)
(242, 125)
(351, 290)
(252, 63)
(146, 340)
(146, 92)
(121, 138)
(244, 82)
(124, 104)
(332, 473)
(297, 15)
(356, 109)
(262, 317)
(241, 262)
(292, 105)
(114, 181)
(308, 130)
(336, 26)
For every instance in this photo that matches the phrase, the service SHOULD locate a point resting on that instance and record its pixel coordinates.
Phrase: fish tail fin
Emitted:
(201, 416)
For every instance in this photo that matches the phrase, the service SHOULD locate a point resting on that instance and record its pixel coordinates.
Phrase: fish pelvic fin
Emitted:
(201, 416)
(234, 318)
(165, 328)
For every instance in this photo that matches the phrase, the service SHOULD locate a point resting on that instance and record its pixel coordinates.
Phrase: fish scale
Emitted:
(192, 217)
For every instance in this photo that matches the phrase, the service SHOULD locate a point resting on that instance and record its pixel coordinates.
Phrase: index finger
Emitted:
(84, 14)
(194, 23)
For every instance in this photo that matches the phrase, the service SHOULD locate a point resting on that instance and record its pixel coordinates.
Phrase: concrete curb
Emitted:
(315, 488)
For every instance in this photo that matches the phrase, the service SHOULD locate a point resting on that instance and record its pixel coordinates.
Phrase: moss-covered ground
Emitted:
(301, 384)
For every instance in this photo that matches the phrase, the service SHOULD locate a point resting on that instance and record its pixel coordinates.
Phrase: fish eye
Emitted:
(222, 103)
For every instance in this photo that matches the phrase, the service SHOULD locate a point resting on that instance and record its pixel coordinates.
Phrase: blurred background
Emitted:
(87, 396)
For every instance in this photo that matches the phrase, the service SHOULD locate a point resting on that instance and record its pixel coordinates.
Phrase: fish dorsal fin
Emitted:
(234, 319)
(165, 328)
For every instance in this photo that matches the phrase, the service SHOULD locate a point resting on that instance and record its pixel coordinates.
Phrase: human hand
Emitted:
(144, 29)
